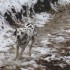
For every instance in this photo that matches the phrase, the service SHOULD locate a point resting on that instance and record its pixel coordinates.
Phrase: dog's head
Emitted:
(19, 32)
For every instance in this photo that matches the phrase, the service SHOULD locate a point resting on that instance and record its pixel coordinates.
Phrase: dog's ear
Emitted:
(15, 32)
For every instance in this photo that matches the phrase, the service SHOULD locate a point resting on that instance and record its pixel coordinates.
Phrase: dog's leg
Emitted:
(21, 52)
(17, 52)
(33, 40)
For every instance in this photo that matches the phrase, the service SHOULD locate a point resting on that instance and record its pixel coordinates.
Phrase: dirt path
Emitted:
(59, 24)
(60, 21)
(57, 31)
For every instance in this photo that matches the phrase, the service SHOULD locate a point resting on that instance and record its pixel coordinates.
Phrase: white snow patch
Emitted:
(41, 50)
(23, 69)
(63, 2)
(53, 7)
(59, 39)
(42, 18)
(68, 30)
(45, 41)
(5, 39)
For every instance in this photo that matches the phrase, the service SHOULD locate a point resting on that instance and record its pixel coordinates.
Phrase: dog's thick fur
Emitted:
(24, 36)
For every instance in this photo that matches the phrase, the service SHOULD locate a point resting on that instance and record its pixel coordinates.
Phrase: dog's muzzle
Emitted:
(18, 36)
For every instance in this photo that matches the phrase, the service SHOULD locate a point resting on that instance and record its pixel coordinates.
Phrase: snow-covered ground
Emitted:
(64, 2)
(7, 40)
(6, 30)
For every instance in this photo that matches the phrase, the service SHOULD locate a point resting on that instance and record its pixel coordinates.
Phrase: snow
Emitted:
(23, 69)
(64, 2)
(17, 4)
(53, 7)
(68, 30)
(42, 18)
(6, 38)
(42, 50)
(59, 39)
(4, 34)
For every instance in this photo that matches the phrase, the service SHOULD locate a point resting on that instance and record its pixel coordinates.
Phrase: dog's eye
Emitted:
(22, 33)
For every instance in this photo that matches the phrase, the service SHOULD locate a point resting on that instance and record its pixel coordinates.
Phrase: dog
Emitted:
(24, 35)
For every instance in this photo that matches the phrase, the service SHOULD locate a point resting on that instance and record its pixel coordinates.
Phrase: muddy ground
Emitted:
(59, 26)
(54, 36)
